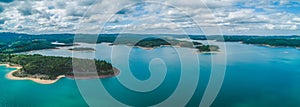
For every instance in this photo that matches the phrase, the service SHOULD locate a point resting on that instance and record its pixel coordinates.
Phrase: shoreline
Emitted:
(270, 46)
(41, 81)
(36, 80)
(212, 52)
(152, 48)
(9, 66)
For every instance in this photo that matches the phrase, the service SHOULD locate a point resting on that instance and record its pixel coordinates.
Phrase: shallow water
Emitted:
(256, 76)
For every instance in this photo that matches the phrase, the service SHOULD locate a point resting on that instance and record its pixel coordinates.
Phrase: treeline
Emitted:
(22, 46)
(275, 42)
(207, 48)
(156, 42)
(152, 42)
(289, 41)
(9, 38)
(49, 67)
(15, 43)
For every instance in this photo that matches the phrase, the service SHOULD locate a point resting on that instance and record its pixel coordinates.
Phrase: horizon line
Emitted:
(142, 34)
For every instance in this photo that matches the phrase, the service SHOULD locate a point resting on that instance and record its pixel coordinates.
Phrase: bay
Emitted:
(256, 76)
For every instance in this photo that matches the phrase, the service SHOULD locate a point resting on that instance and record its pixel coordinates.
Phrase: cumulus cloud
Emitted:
(162, 16)
(25, 9)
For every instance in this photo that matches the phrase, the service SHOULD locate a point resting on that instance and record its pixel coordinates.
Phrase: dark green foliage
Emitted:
(51, 67)
(4, 57)
(152, 42)
(21, 46)
(9, 38)
(14, 43)
(82, 49)
(197, 43)
(27, 42)
(207, 48)
(275, 42)
(157, 42)
(289, 41)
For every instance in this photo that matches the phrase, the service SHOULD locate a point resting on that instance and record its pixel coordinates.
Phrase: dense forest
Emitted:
(284, 41)
(207, 48)
(82, 49)
(16, 43)
(49, 67)
(157, 42)
(153, 42)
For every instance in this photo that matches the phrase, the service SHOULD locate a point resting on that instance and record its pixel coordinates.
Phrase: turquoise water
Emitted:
(28, 93)
(255, 77)
(261, 77)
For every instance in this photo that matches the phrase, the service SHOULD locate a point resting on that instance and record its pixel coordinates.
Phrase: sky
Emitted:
(211, 17)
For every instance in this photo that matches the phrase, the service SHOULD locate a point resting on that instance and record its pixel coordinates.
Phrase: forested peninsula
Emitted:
(50, 67)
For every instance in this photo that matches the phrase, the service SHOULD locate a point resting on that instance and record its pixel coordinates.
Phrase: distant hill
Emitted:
(15, 42)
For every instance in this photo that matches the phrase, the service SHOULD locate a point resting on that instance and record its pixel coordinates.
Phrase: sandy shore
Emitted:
(267, 45)
(213, 52)
(9, 66)
(41, 81)
(151, 48)
(145, 48)
(37, 80)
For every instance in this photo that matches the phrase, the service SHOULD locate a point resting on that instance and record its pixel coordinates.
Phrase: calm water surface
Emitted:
(255, 77)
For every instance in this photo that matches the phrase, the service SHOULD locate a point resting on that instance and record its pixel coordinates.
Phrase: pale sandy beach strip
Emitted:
(37, 80)
(213, 52)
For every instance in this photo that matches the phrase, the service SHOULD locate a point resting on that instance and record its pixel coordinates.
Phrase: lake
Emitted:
(256, 76)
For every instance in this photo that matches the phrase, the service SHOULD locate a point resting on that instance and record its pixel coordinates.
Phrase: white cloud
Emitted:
(269, 26)
(232, 16)
(296, 19)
